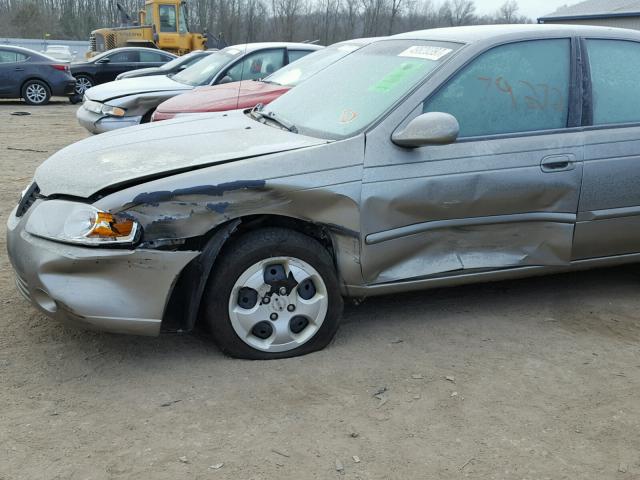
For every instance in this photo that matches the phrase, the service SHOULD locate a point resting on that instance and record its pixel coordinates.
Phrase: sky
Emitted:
(530, 8)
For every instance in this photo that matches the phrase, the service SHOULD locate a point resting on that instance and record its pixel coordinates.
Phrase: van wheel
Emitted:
(36, 92)
(274, 293)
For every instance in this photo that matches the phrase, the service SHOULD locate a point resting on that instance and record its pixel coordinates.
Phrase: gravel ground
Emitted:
(533, 379)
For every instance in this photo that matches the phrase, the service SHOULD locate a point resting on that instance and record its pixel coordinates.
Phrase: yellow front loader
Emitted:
(162, 24)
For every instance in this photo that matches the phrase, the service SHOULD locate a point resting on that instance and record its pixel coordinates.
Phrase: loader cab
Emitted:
(169, 19)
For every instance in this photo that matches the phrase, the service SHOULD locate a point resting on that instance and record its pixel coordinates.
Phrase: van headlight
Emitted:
(113, 111)
(103, 108)
(81, 224)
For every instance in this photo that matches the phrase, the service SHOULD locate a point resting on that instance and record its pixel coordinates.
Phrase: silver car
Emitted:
(426, 159)
(132, 101)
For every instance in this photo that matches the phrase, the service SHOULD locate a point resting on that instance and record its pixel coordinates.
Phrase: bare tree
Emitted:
(458, 12)
(508, 12)
(395, 6)
(242, 21)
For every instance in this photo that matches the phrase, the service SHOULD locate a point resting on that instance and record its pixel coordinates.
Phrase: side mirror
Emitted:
(433, 128)
(104, 60)
(225, 79)
(182, 67)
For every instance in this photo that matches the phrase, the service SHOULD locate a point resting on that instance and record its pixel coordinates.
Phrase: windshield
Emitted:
(176, 62)
(309, 65)
(348, 96)
(202, 72)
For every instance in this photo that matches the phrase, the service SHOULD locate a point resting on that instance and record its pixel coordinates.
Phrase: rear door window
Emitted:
(518, 87)
(297, 54)
(129, 56)
(8, 56)
(615, 76)
(153, 57)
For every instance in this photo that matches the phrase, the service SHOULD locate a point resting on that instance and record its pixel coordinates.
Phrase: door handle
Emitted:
(557, 163)
(19, 69)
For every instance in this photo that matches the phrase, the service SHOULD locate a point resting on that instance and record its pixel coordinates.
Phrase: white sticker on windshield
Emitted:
(425, 51)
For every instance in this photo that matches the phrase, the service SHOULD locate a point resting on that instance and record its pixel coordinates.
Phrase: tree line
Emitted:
(239, 21)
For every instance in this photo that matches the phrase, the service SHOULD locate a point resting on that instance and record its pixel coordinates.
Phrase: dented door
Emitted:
(475, 205)
(504, 195)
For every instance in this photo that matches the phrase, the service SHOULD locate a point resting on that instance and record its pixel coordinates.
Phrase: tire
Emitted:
(308, 308)
(36, 92)
(83, 83)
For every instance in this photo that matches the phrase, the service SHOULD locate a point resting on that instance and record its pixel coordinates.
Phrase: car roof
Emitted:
(250, 47)
(359, 41)
(21, 50)
(495, 33)
(144, 49)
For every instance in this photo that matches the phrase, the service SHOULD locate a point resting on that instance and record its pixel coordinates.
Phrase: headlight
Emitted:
(113, 111)
(103, 108)
(80, 223)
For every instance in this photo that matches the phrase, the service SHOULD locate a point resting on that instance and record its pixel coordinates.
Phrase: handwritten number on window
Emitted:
(540, 96)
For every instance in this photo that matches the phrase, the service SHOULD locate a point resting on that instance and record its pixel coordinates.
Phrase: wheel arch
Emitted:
(85, 74)
(32, 78)
(183, 305)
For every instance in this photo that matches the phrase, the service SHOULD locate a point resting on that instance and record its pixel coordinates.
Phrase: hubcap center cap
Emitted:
(278, 304)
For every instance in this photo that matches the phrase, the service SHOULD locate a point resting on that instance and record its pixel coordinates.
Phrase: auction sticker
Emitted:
(428, 52)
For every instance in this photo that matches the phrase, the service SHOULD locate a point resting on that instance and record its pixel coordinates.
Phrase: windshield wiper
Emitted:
(256, 112)
(270, 82)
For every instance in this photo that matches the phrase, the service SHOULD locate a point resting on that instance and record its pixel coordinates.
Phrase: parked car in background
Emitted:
(426, 159)
(108, 65)
(174, 66)
(60, 52)
(249, 93)
(32, 76)
(132, 101)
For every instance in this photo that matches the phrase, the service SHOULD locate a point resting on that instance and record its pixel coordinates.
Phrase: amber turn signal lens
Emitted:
(106, 225)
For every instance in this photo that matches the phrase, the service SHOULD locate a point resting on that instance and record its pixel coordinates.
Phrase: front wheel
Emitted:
(273, 294)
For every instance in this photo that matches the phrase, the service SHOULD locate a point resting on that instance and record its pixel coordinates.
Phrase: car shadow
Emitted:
(549, 299)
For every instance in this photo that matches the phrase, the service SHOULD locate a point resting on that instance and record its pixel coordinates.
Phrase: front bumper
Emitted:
(97, 123)
(113, 290)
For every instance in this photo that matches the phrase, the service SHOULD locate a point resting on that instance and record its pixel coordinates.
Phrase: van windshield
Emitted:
(352, 93)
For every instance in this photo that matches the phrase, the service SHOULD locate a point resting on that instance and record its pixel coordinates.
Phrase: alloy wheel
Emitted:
(36, 93)
(82, 85)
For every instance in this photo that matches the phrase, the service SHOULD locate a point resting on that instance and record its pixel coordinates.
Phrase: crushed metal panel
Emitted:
(149, 150)
(469, 248)
(320, 185)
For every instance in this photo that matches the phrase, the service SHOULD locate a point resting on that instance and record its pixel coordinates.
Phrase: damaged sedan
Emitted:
(425, 159)
(132, 101)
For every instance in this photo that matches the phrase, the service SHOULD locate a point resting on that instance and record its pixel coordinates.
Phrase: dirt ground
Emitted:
(533, 379)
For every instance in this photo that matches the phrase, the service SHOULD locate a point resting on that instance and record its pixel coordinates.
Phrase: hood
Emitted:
(140, 72)
(132, 154)
(133, 86)
(219, 98)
